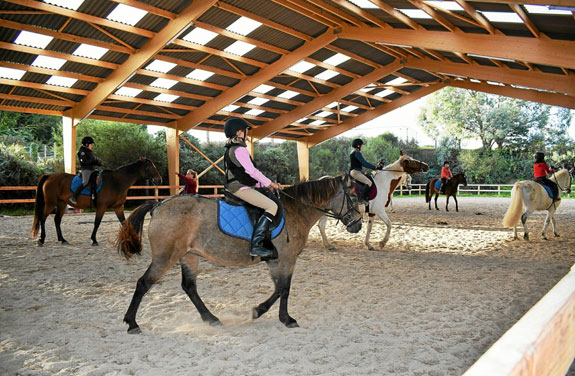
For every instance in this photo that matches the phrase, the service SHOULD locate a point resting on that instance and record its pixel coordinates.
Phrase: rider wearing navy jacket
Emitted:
(88, 163)
(357, 162)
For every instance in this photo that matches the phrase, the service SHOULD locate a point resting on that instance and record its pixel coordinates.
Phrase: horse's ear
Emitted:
(401, 153)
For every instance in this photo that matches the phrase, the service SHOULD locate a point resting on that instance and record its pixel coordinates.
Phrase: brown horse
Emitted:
(54, 191)
(184, 228)
(450, 190)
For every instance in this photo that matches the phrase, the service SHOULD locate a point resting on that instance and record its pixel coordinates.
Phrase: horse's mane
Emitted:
(314, 192)
(131, 165)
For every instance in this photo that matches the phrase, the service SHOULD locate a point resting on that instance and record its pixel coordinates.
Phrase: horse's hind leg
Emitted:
(553, 225)
(60, 210)
(524, 217)
(282, 282)
(436, 197)
(265, 306)
(99, 215)
(48, 207)
(456, 203)
(189, 269)
(321, 226)
(370, 219)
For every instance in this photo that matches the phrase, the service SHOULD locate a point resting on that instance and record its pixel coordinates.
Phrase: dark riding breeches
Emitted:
(550, 184)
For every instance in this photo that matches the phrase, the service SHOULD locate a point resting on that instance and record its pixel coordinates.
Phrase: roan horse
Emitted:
(386, 180)
(184, 228)
(54, 191)
(534, 197)
(450, 190)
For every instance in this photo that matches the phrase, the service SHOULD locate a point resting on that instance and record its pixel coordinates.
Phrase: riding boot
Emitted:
(261, 242)
(364, 193)
(442, 188)
(74, 198)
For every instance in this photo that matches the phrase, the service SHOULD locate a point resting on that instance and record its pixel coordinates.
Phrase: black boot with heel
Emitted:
(261, 239)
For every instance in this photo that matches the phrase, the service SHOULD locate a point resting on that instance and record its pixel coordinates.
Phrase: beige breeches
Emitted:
(251, 196)
(360, 177)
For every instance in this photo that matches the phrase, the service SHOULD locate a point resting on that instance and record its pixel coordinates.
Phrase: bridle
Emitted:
(566, 189)
(348, 215)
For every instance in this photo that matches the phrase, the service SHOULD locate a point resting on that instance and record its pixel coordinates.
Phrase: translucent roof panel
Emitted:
(336, 59)
(200, 36)
(230, 108)
(510, 17)
(169, 98)
(263, 88)
(254, 112)
(396, 81)
(323, 114)
(365, 4)
(349, 108)
(48, 62)
(199, 74)
(61, 81)
(301, 120)
(160, 66)
(332, 105)
(243, 26)
(540, 9)
(288, 94)
(239, 48)
(128, 92)
(258, 101)
(126, 14)
(11, 74)
(326, 74)
(163, 83)
(70, 4)
(415, 13)
(447, 5)
(89, 51)
(27, 38)
(384, 93)
(301, 67)
(490, 57)
(317, 122)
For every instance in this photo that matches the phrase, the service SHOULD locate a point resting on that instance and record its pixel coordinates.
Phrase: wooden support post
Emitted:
(213, 164)
(69, 141)
(173, 142)
(303, 160)
(250, 146)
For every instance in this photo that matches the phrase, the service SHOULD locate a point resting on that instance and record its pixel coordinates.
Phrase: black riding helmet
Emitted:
(539, 157)
(356, 143)
(233, 125)
(87, 141)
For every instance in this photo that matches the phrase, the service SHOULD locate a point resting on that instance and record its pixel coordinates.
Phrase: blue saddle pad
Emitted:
(437, 184)
(234, 221)
(549, 191)
(86, 191)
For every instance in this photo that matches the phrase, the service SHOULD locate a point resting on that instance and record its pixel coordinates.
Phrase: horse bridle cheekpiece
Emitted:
(568, 188)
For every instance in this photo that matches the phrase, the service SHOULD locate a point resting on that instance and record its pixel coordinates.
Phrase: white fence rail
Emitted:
(477, 189)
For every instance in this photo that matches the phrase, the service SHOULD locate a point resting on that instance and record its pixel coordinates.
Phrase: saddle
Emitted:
(548, 190)
(438, 184)
(372, 191)
(95, 184)
(237, 218)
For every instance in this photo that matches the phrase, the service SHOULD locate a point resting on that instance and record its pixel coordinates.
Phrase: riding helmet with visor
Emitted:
(87, 141)
(233, 125)
(539, 157)
(356, 143)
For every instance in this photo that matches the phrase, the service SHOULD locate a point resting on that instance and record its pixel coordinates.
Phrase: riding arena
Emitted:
(445, 287)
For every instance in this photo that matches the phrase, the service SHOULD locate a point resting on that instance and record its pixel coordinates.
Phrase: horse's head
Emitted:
(345, 205)
(461, 178)
(564, 178)
(412, 166)
(150, 171)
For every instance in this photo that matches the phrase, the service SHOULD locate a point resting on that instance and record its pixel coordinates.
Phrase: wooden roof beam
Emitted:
(537, 51)
(148, 8)
(278, 123)
(436, 16)
(135, 61)
(478, 17)
(250, 83)
(552, 99)
(370, 115)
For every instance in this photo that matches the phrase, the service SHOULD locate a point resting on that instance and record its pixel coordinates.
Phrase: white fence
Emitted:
(476, 189)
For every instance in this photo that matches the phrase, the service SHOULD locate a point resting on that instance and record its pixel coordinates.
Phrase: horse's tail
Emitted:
(427, 195)
(516, 207)
(38, 206)
(129, 239)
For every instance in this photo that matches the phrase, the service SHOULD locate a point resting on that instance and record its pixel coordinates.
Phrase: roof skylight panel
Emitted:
(70, 4)
(365, 4)
(239, 48)
(199, 74)
(163, 83)
(258, 101)
(27, 38)
(509, 17)
(160, 66)
(243, 26)
(384, 93)
(200, 36)
(126, 14)
(11, 74)
(396, 81)
(336, 59)
(48, 62)
(317, 122)
(263, 88)
(288, 94)
(301, 67)
(332, 105)
(128, 92)
(230, 108)
(349, 108)
(491, 57)
(254, 112)
(89, 51)
(323, 114)
(540, 9)
(447, 5)
(301, 120)
(61, 81)
(326, 74)
(169, 98)
(415, 13)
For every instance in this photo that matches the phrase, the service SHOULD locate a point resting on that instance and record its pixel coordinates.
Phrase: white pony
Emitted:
(534, 197)
(386, 180)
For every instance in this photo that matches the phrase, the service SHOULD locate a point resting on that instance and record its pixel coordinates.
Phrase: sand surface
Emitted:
(446, 286)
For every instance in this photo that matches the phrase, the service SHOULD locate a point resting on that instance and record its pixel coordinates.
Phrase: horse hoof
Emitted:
(39, 244)
(135, 330)
(95, 244)
(557, 235)
(293, 324)
(64, 242)
(216, 323)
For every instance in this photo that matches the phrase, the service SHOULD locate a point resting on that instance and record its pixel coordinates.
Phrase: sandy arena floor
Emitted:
(446, 286)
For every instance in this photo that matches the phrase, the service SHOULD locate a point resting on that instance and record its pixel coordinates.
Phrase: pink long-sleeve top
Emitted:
(243, 156)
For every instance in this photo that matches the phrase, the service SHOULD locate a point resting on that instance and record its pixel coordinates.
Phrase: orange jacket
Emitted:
(446, 173)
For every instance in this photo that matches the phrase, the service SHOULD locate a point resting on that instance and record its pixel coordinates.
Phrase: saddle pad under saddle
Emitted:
(372, 191)
(547, 189)
(86, 191)
(437, 184)
(234, 221)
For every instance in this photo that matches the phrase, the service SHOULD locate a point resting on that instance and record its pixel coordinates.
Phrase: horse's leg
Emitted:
(145, 283)
(447, 202)
(265, 306)
(283, 286)
(553, 225)
(383, 215)
(524, 217)
(436, 197)
(545, 225)
(99, 214)
(456, 203)
(370, 219)
(189, 265)
(48, 207)
(60, 210)
(321, 226)
(515, 237)
(120, 214)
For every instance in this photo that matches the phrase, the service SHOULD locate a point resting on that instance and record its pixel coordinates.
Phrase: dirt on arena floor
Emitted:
(446, 286)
